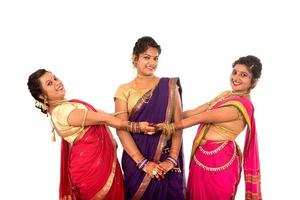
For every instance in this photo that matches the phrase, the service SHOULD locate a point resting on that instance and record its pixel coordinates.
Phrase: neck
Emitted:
(140, 76)
(237, 93)
(54, 103)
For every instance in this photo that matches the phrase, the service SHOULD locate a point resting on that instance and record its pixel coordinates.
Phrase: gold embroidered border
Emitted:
(252, 178)
(253, 196)
(66, 197)
(162, 140)
(105, 189)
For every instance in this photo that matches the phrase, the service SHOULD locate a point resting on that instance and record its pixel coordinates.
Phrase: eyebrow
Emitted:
(241, 72)
(149, 55)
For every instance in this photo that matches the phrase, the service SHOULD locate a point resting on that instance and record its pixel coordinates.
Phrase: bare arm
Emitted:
(200, 109)
(124, 136)
(223, 114)
(77, 118)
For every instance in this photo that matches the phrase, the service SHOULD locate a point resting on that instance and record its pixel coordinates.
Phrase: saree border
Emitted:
(162, 140)
(105, 189)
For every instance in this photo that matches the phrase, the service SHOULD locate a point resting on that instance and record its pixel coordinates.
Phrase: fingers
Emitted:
(154, 171)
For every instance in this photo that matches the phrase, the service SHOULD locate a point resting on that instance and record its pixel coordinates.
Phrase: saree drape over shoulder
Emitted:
(215, 167)
(158, 108)
(89, 166)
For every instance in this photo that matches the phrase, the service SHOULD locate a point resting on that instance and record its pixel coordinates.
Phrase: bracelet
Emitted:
(168, 129)
(172, 160)
(133, 127)
(142, 163)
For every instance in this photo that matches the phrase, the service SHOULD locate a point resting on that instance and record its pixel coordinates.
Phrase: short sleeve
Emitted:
(122, 93)
(61, 113)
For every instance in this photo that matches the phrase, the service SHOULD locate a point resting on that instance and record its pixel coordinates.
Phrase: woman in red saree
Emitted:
(216, 161)
(89, 166)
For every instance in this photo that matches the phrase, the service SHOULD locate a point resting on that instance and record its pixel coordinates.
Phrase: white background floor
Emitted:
(88, 45)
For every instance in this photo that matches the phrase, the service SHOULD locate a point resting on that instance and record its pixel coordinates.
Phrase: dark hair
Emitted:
(144, 43)
(253, 63)
(35, 86)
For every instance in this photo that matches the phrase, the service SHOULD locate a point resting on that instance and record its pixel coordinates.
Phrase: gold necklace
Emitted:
(239, 93)
(56, 102)
(146, 97)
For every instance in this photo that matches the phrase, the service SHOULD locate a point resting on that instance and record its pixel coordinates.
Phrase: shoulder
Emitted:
(125, 86)
(123, 91)
(66, 107)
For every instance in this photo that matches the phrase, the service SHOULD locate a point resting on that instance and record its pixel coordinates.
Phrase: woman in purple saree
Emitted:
(216, 161)
(152, 163)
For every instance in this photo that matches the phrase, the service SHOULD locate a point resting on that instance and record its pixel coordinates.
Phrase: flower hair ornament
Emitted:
(43, 106)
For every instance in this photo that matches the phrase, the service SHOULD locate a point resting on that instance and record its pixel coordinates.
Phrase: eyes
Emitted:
(147, 57)
(240, 74)
(50, 82)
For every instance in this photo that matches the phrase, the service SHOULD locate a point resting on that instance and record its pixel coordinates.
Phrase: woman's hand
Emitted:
(159, 127)
(166, 166)
(154, 170)
(147, 128)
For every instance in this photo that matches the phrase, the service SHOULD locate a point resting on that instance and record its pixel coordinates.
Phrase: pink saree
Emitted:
(89, 168)
(215, 168)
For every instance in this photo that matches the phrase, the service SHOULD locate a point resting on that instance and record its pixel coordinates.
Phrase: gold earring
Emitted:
(45, 105)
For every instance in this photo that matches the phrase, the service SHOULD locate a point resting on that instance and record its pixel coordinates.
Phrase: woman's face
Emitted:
(146, 63)
(240, 78)
(52, 87)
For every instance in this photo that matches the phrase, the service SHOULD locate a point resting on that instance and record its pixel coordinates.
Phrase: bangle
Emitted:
(128, 126)
(142, 163)
(172, 160)
(168, 129)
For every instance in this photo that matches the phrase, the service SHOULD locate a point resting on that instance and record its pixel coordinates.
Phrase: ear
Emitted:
(42, 97)
(134, 60)
(254, 83)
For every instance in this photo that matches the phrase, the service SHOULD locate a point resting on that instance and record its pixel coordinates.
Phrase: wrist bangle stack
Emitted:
(168, 129)
(142, 163)
(172, 160)
(133, 127)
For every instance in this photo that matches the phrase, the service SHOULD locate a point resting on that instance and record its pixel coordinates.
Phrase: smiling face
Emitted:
(240, 78)
(146, 63)
(52, 87)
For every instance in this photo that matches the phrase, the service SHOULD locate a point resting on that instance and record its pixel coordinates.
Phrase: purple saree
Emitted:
(159, 108)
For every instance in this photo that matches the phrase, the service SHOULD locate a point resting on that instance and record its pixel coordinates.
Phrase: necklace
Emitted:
(145, 96)
(56, 102)
(239, 93)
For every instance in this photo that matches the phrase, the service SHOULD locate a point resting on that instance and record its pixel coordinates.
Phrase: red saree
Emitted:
(221, 182)
(89, 168)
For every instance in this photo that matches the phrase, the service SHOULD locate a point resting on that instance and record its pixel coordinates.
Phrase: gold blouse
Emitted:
(59, 119)
(227, 130)
(130, 94)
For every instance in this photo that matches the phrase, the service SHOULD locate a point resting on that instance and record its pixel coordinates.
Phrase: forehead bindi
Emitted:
(242, 69)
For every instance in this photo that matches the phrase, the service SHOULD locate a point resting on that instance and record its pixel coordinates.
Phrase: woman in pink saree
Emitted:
(216, 160)
(89, 166)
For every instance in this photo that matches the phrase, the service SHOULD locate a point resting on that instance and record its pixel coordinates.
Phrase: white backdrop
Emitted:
(88, 45)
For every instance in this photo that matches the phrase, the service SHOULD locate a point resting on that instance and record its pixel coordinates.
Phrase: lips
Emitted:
(60, 87)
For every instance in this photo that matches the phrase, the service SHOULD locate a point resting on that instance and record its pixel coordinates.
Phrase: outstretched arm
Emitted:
(223, 114)
(200, 109)
(79, 116)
